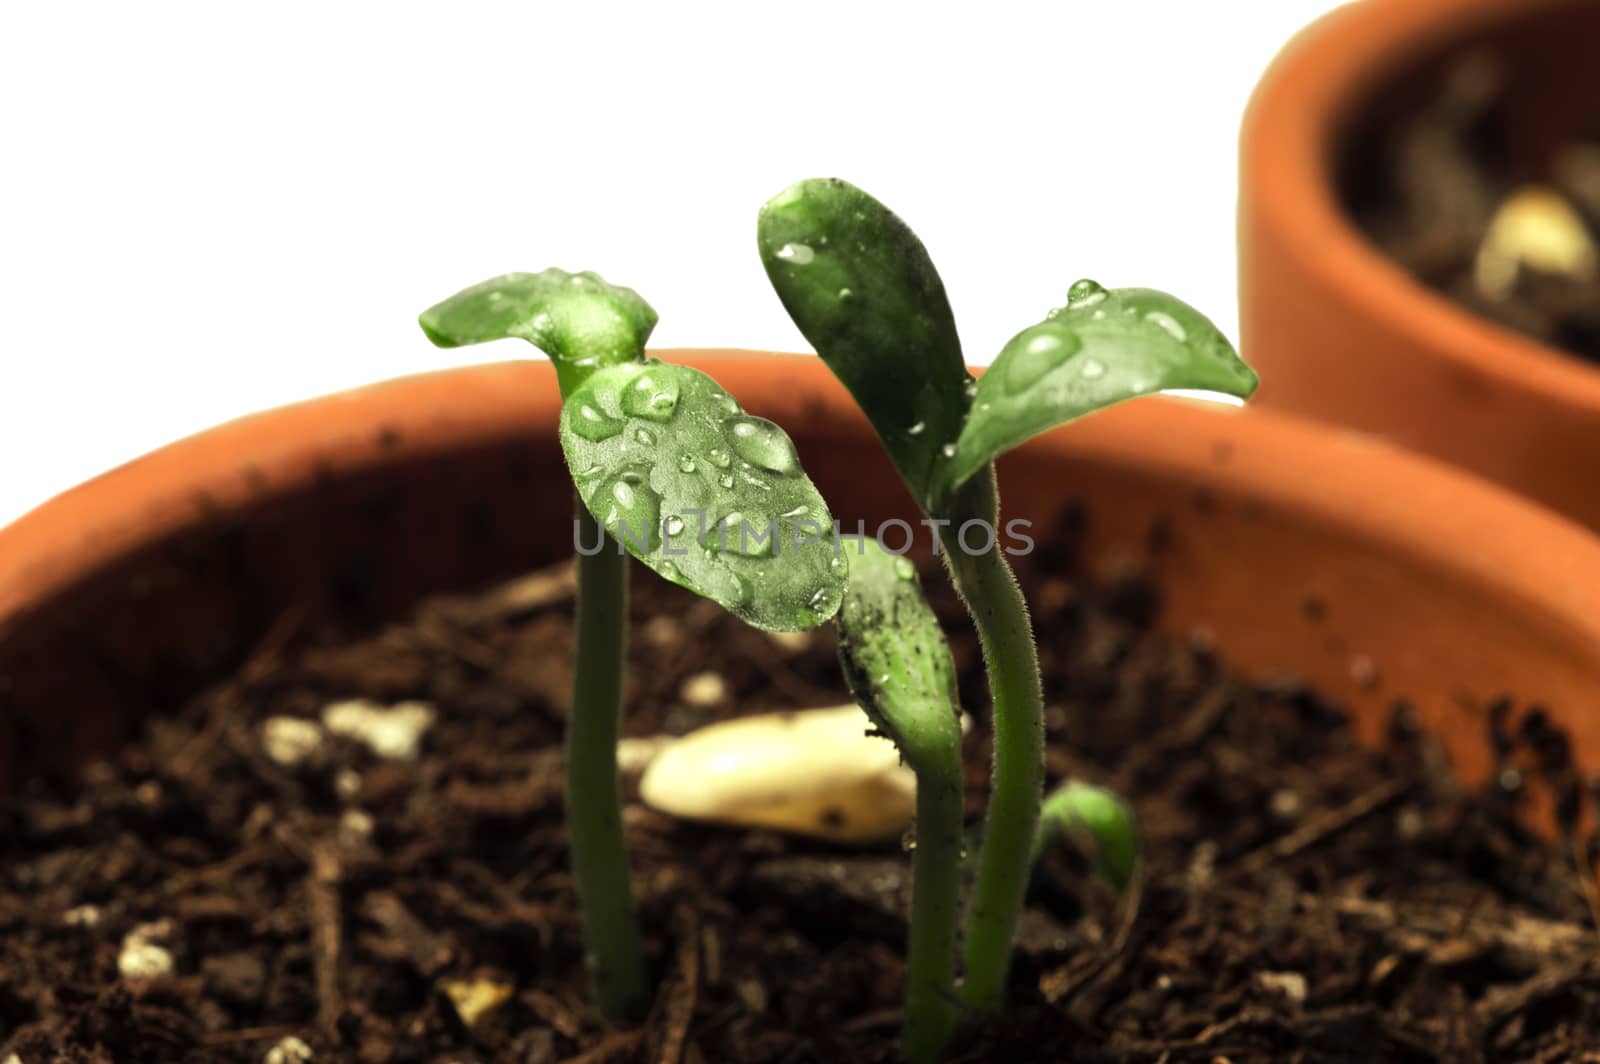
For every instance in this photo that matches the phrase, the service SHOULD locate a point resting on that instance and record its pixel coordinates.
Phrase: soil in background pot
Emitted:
(1516, 241)
(239, 888)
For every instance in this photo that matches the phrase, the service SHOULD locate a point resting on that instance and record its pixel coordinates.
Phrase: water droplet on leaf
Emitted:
(948, 450)
(646, 437)
(726, 480)
(823, 601)
(1039, 355)
(904, 569)
(651, 396)
(799, 254)
(737, 534)
(1085, 293)
(1167, 324)
(629, 509)
(1092, 369)
(720, 458)
(916, 430)
(594, 424)
(762, 443)
(686, 463)
(673, 525)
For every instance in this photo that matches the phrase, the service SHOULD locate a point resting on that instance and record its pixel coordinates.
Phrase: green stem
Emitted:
(594, 801)
(935, 904)
(1000, 613)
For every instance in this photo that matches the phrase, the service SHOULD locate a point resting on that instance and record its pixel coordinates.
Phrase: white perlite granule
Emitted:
(391, 732)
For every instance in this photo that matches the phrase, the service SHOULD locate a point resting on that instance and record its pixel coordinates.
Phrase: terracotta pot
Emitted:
(123, 596)
(1337, 330)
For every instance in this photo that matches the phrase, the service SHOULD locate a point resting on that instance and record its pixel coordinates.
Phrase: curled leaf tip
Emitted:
(576, 318)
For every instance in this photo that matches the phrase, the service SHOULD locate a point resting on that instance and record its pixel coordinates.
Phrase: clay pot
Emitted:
(1372, 573)
(1337, 330)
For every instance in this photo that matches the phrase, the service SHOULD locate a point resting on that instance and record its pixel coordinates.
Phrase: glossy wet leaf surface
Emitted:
(894, 654)
(703, 493)
(861, 288)
(578, 319)
(1103, 347)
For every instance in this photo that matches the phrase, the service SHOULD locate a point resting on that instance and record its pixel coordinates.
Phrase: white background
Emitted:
(211, 209)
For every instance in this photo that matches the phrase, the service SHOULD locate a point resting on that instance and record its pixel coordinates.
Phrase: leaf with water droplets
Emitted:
(1103, 347)
(758, 539)
(896, 660)
(577, 319)
(863, 291)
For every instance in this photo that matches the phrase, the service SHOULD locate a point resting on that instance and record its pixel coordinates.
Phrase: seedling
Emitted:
(864, 292)
(899, 669)
(898, 666)
(667, 466)
(1104, 816)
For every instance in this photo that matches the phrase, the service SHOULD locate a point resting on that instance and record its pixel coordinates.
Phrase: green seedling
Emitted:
(899, 669)
(1104, 816)
(668, 467)
(864, 292)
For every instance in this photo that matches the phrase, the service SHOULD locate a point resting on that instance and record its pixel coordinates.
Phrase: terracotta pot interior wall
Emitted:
(1552, 94)
(350, 551)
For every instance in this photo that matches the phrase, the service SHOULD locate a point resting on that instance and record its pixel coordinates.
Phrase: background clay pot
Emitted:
(1340, 332)
(1369, 572)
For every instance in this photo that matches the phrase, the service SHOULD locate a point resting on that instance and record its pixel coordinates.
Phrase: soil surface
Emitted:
(1512, 239)
(237, 890)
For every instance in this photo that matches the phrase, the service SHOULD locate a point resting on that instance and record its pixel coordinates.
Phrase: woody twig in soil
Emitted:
(327, 933)
(1322, 828)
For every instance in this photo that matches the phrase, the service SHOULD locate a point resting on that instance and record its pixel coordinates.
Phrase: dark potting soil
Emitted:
(1302, 897)
(1437, 189)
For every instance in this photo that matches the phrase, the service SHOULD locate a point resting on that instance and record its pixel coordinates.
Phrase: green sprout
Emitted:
(1104, 816)
(899, 669)
(864, 292)
(667, 466)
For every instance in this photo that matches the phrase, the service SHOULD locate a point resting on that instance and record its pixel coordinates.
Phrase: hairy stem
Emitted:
(1000, 614)
(935, 903)
(594, 802)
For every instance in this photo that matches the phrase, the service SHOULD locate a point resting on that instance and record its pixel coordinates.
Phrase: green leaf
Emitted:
(1107, 819)
(863, 291)
(706, 495)
(895, 658)
(577, 319)
(1101, 348)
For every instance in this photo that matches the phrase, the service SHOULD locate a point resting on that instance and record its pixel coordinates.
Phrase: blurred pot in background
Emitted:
(1419, 213)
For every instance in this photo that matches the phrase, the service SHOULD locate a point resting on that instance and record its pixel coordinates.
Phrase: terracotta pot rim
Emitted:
(1290, 133)
(1337, 479)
